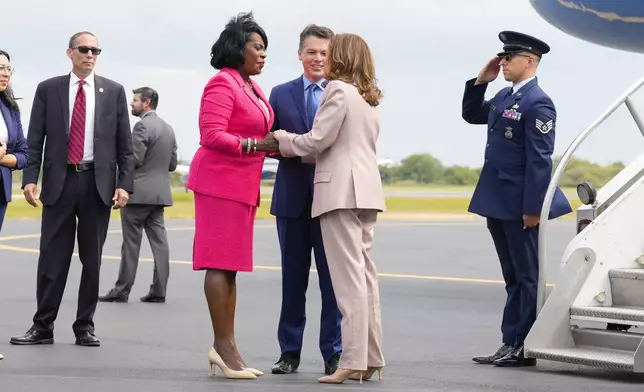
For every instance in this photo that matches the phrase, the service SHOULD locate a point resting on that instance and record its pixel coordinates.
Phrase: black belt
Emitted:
(81, 167)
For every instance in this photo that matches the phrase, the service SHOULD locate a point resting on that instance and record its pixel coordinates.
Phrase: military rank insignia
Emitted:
(512, 113)
(544, 127)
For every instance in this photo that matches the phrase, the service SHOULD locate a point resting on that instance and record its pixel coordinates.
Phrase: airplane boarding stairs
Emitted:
(602, 280)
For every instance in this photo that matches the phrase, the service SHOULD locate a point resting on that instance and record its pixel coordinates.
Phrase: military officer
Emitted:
(521, 121)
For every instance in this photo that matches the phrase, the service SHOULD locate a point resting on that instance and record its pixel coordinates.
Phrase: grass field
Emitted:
(400, 206)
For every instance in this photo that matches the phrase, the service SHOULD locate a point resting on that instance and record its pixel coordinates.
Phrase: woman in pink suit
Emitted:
(234, 121)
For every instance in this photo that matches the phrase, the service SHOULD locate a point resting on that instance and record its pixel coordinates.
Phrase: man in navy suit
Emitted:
(521, 122)
(295, 103)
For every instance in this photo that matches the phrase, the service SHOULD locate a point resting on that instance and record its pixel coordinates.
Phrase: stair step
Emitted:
(586, 356)
(605, 339)
(627, 287)
(626, 273)
(609, 314)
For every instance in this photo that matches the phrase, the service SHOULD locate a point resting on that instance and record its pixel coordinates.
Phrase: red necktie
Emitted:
(77, 130)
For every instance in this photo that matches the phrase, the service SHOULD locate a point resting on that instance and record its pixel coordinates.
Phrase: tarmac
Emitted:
(441, 292)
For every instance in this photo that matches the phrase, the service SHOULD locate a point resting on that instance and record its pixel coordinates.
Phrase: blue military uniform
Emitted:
(515, 176)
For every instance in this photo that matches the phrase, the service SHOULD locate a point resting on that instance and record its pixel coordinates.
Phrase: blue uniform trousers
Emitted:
(297, 237)
(517, 250)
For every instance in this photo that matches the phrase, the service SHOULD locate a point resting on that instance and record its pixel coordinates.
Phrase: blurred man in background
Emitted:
(155, 149)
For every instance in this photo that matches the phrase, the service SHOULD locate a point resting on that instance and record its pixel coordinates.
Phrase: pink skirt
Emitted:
(223, 234)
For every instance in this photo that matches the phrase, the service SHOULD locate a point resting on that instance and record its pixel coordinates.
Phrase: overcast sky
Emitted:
(425, 51)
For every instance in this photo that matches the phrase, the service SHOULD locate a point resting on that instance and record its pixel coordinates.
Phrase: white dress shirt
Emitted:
(4, 132)
(90, 109)
(522, 83)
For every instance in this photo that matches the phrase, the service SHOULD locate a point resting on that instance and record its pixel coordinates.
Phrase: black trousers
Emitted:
(79, 199)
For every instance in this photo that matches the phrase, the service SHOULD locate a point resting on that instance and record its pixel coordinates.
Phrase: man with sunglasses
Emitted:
(88, 169)
(521, 121)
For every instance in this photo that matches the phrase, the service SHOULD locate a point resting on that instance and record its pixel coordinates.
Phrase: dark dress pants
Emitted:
(80, 200)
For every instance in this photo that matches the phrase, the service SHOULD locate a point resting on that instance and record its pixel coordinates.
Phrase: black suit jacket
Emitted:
(49, 128)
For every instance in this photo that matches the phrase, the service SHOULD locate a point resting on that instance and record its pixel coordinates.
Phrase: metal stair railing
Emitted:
(547, 202)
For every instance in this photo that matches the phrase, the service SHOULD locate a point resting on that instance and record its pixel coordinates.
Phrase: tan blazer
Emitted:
(343, 143)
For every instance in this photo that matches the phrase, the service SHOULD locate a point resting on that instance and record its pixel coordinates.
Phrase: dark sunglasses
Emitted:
(85, 49)
(508, 57)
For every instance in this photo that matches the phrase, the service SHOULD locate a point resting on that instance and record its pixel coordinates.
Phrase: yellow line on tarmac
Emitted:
(21, 249)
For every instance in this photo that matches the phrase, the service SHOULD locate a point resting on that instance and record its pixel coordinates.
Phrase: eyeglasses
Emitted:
(6, 69)
(508, 57)
(85, 49)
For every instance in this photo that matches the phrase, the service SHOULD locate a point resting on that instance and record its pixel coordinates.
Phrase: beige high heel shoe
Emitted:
(215, 359)
(254, 371)
(340, 376)
(367, 374)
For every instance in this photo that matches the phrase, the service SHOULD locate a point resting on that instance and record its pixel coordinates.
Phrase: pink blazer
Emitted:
(229, 111)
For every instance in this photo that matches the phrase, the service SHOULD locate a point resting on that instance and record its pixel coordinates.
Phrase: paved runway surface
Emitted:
(441, 299)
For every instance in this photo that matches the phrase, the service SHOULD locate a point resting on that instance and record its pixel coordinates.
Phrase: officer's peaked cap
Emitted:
(515, 42)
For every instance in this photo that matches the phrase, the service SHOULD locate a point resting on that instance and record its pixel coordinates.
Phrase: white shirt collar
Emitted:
(518, 86)
(89, 80)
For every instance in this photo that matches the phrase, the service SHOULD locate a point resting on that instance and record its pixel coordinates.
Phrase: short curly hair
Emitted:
(228, 51)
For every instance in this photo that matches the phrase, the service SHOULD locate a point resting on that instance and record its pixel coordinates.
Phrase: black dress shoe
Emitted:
(87, 339)
(489, 359)
(113, 296)
(331, 365)
(149, 297)
(285, 365)
(33, 337)
(515, 358)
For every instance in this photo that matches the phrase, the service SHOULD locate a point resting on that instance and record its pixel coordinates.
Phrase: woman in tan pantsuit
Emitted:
(347, 197)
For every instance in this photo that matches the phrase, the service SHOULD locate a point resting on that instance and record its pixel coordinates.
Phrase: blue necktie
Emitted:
(311, 105)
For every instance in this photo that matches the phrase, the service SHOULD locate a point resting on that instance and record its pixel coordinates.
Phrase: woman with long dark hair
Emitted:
(13, 146)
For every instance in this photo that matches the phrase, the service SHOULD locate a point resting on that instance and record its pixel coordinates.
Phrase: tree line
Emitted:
(427, 169)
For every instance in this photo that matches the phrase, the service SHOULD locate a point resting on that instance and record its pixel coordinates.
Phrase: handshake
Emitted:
(278, 133)
(269, 144)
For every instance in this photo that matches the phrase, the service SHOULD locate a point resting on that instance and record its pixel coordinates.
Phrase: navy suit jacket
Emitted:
(520, 142)
(293, 189)
(17, 145)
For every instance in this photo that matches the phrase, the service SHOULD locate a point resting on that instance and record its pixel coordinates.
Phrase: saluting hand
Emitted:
(490, 71)
(530, 221)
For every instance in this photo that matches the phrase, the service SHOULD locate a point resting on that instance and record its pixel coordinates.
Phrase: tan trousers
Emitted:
(348, 237)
